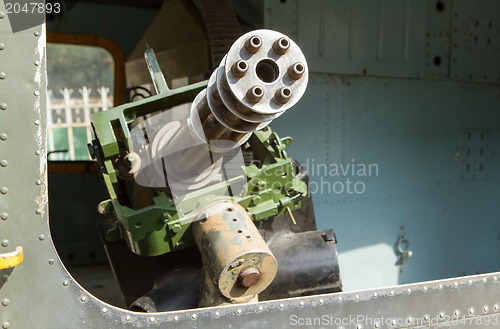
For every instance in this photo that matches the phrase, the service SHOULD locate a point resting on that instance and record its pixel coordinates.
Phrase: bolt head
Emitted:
(249, 276)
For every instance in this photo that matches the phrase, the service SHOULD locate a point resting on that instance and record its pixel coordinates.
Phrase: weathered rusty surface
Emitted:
(231, 246)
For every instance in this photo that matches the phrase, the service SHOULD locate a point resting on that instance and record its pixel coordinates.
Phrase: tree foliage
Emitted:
(73, 67)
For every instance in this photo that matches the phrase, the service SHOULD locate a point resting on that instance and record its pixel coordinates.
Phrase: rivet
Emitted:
(38, 182)
(359, 326)
(36, 93)
(495, 278)
(409, 320)
(441, 315)
(2, 46)
(217, 314)
(4, 163)
(470, 281)
(457, 313)
(3, 106)
(5, 301)
(5, 277)
(3, 136)
(83, 299)
(485, 309)
(302, 303)
(392, 292)
(261, 308)
(409, 290)
(4, 216)
(51, 261)
(455, 284)
(376, 325)
(36, 33)
(5, 243)
(194, 316)
(3, 75)
(495, 307)
(41, 237)
(426, 318)
(440, 287)
(484, 280)
(176, 318)
(425, 288)
(65, 283)
(375, 294)
(38, 211)
(37, 152)
(357, 296)
(238, 311)
(393, 322)
(104, 310)
(37, 63)
(282, 305)
(2, 14)
(340, 299)
(471, 311)
(151, 319)
(4, 190)
(37, 122)
(321, 301)
(128, 318)
(5, 325)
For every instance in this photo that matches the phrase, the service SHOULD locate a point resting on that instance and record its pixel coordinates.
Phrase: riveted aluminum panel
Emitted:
(377, 38)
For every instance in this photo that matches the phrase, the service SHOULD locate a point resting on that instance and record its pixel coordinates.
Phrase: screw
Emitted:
(5, 243)
(3, 136)
(281, 46)
(239, 68)
(4, 190)
(296, 71)
(253, 44)
(283, 95)
(255, 94)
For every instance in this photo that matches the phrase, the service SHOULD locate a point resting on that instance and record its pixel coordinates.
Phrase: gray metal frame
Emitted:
(39, 293)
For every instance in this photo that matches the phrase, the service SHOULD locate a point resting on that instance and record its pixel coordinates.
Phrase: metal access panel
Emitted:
(39, 292)
(428, 127)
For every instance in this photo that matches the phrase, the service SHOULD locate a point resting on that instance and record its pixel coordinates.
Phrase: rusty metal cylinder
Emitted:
(238, 259)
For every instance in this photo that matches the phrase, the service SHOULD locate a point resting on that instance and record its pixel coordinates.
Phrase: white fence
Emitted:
(73, 111)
